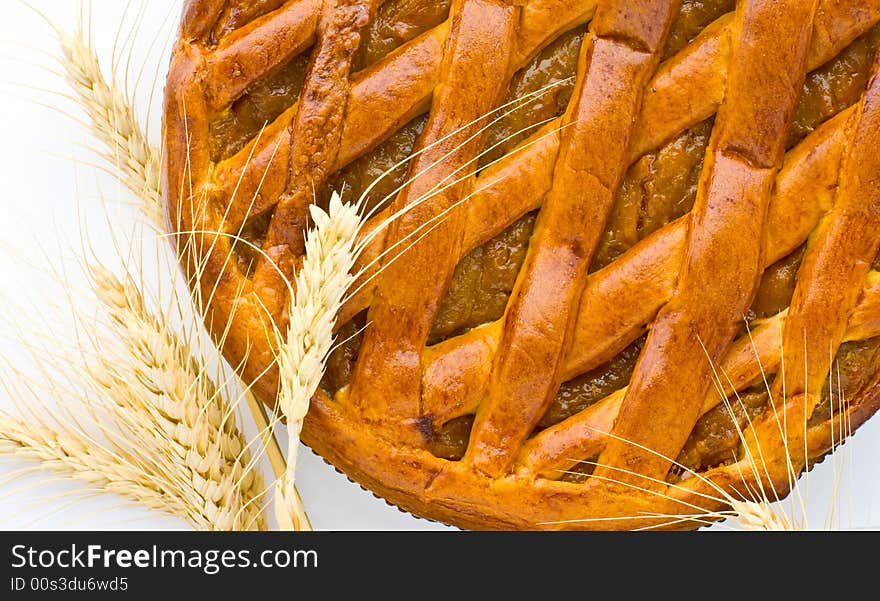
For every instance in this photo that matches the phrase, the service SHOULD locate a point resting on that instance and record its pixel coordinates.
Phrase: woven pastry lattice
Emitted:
(689, 284)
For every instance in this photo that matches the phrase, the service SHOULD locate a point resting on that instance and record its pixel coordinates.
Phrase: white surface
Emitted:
(51, 195)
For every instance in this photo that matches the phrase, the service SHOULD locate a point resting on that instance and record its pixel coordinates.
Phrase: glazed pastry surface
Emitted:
(659, 238)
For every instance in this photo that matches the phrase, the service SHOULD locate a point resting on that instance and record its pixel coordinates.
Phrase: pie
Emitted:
(644, 251)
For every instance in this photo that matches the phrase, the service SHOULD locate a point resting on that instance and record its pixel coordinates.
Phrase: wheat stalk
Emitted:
(161, 377)
(72, 454)
(319, 289)
(168, 436)
(759, 515)
(113, 122)
(124, 145)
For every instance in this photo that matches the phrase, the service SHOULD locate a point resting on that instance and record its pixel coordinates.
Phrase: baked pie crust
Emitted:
(660, 222)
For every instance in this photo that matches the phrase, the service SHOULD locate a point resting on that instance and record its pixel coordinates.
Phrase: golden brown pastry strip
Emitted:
(696, 77)
(476, 70)
(544, 20)
(237, 13)
(250, 53)
(838, 258)
(198, 18)
(866, 313)
(623, 298)
(618, 57)
(250, 179)
(838, 23)
(724, 257)
(315, 133)
(747, 362)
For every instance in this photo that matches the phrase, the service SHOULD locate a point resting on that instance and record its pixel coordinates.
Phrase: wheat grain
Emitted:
(319, 288)
(159, 376)
(160, 379)
(113, 122)
(72, 454)
(115, 125)
(759, 515)
(169, 382)
(158, 430)
(109, 446)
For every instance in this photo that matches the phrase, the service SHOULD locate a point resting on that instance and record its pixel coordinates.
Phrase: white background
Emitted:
(52, 200)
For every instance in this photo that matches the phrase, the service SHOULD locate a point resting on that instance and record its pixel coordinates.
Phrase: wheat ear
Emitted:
(760, 515)
(126, 148)
(319, 288)
(159, 375)
(113, 122)
(123, 144)
(71, 453)
(90, 423)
